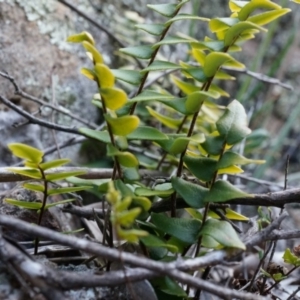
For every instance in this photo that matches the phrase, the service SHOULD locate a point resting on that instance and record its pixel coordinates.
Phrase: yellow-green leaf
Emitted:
(215, 60)
(149, 95)
(132, 235)
(231, 158)
(269, 16)
(185, 87)
(220, 24)
(54, 163)
(126, 218)
(63, 175)
(159, 65)
(32, 173)
(199, 56)
(26, 152)
(181, 17)
(97, 57)
(195, 100)
(230, 170)
(167, 121)
(245, 12)
(173, 40)
(90, 74)
(123, 125)
(235, 31)
(81, 37)
(233, 215)
(34, 187)
(235, 6)
(143, 202)
(60, 202)
(114, 98)
(104, 75)
(24, 204)
(71, 189)
(125, 158)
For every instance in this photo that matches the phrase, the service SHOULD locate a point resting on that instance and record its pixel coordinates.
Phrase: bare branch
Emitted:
(90, 173)
(170, 269)
(34, 120)
(267, 233)
(261, 77)
(29, 270)
(276, 199)
(18, 91)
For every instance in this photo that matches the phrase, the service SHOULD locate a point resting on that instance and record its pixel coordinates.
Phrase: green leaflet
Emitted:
(181, 17)
(291, 258)
(102, 136)
(161, 190)
(146, 133)
(155, 29)
(174, 146)
(203, 168)
(233, 124)
(149, 95)
(166, 10)
(143, 52)
(223, 191)
(129, 76)
(154, 241)
(173, 40)
(213, 145)
(186, 230)
(193, 194)
(223, 233)
(159, 65)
